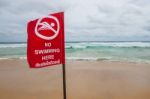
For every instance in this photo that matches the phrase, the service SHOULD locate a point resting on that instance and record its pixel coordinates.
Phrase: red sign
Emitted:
(46, 41)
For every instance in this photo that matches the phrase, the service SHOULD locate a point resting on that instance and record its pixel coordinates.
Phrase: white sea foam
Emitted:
(22, 58)
(123, 44)
(12, 45)
(4, 58)
(108, 44)
(81, 58)
(89, 58)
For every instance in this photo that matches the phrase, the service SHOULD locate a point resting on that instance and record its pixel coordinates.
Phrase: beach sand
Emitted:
(85, 80)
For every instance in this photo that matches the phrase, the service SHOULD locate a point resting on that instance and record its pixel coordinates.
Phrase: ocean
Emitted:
(100, 51)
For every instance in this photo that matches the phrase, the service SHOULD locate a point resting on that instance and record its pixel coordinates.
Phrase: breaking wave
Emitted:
(108, 44)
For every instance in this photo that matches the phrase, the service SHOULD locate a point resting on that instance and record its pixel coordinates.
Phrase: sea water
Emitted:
(111, 51)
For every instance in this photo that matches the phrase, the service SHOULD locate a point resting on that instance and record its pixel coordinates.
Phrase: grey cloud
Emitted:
(92, 19)
(140, 2)
(3, 3)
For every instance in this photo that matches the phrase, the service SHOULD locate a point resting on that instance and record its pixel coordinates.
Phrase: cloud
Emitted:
(84, 19)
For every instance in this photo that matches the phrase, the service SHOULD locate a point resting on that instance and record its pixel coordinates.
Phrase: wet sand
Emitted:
(85, 80)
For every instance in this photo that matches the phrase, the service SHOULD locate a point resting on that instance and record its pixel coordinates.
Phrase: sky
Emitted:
(85, 20)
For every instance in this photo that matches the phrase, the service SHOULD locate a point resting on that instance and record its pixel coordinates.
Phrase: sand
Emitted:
(85, 80)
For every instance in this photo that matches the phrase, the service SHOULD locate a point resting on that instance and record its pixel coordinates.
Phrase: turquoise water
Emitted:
(114, 51)
(111, 51)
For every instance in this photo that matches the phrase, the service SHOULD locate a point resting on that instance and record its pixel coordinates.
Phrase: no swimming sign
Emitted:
(46, 41)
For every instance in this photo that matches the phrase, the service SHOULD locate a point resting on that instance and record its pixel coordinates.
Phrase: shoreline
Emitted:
(98, 60)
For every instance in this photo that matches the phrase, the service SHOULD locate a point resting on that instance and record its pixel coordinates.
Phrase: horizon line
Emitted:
(77, 41)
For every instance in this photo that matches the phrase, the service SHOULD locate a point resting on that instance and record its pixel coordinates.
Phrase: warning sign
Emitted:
(46, 41)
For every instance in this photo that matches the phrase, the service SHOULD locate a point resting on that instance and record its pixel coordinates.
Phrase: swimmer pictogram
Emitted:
(50, 24)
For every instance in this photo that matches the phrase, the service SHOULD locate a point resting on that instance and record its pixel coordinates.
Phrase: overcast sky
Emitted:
(85, 20)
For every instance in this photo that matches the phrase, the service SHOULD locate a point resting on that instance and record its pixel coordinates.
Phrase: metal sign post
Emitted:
(64, 81)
